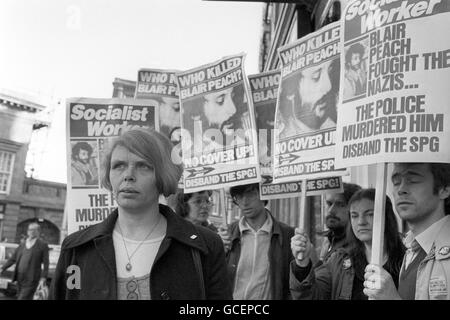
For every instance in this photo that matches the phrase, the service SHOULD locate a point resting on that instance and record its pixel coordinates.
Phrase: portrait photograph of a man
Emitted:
(84, 167)
(308, 99)
(218, 118)
(355, 75)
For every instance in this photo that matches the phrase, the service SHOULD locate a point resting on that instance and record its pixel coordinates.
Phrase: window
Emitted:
(6, 168)
(293, 33)
(328, 11)
(333, 14)
(2, 211)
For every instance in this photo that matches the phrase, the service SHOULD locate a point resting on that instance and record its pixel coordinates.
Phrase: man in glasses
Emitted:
(258, 249)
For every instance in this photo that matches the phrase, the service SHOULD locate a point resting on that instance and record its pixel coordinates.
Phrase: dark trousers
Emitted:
(26, 287)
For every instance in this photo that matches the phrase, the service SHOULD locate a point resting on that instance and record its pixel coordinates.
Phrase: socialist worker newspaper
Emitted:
(305, 120)
(219, 143)
(91, 126)
(264, 89)
(398, 56)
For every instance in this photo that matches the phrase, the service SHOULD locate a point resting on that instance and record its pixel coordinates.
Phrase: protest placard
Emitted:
(91, 124)
(219, 143)
(161, 86)
(305, 120)
(394, 98)
(293, 189)
(264, 89)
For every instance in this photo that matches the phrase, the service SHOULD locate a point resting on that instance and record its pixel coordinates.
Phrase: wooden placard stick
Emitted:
(379, 216)
(302, 217)
(223, 200)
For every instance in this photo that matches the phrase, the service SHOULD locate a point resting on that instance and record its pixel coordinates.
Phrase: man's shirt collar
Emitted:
(427, 237)
(266, 227)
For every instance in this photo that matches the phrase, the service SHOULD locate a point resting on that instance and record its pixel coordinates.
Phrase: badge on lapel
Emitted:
(443, 251)
(347, 263)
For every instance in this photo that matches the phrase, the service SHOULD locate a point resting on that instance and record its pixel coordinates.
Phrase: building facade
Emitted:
(23, 199)
(123, 88)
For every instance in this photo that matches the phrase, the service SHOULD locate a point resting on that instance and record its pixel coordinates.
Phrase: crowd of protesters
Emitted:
(146, 250)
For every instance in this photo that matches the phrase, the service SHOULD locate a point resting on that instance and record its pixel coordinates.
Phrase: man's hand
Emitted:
(378, 284)
(225, 236)
(300, 244)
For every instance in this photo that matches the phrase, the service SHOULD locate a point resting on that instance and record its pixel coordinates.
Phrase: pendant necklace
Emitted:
(128, 267)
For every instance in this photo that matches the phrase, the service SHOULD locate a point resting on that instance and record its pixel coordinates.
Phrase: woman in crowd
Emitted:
(342, 277)
(143, 250)
(195, 207)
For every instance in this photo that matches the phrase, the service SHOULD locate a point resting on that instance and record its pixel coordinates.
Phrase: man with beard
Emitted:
(308, 100)
(83, 172)
(265, 115)
(217, 119)
(336, 220)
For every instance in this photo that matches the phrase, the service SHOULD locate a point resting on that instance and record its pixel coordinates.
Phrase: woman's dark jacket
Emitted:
(173, 275)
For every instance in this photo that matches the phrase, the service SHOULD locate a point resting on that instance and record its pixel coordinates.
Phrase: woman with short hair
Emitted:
(143, 250)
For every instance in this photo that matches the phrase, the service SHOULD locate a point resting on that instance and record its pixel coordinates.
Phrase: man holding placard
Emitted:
(422, 198)
(336, 220)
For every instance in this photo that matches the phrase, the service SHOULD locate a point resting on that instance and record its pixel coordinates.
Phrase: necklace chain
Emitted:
(129, 266)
